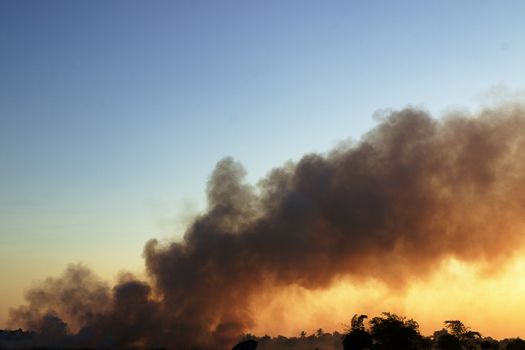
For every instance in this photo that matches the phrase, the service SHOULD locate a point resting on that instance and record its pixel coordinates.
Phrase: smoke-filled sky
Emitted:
(113, 115)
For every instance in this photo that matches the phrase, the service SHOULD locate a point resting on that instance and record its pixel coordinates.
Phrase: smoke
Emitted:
(413, 192)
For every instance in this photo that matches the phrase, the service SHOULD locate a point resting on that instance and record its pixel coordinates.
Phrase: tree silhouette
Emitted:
(489, 345)
(357, 322)
(458, 336)
(392, 332)
(447, 341)
(357, 337)
(455, 327)
(319, 333)
(516, 344)
(249, 344)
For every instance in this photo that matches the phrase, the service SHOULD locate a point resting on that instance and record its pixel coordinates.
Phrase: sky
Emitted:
(114, 113)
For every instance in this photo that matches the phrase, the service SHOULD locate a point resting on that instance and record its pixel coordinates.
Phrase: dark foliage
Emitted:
(489, 345)
(385, 332)
(516, 344)
(392, 332)
(447, 341)
(357, 337)
(249, 344)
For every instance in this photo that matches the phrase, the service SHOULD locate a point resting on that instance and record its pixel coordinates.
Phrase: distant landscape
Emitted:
(414, 192)
(270, 175)
(385, 332)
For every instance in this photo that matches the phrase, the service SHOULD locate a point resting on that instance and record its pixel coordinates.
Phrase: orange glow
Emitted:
(492, 304)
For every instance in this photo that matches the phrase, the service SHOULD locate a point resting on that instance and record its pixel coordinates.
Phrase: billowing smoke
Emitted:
(413, 191)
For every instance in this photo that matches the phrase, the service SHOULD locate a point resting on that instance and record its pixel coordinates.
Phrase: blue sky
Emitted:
(113, 113)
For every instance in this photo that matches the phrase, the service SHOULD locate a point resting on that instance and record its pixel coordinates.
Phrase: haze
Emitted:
(114, 115)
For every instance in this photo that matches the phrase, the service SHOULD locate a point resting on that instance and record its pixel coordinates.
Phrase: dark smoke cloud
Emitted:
(412, 192)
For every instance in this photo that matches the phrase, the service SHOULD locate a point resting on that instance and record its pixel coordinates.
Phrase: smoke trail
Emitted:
(412, 192)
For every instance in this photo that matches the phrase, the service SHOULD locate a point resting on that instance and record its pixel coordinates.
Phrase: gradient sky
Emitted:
(113, 113)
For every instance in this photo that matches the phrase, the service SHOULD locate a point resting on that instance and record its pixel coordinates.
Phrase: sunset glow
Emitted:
(492, 304)
(192, 175)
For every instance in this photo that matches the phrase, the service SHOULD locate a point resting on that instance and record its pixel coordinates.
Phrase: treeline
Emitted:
(16, 339)
(389, 332)
(385, 332)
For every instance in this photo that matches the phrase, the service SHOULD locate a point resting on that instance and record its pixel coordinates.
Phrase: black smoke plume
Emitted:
(412, 192)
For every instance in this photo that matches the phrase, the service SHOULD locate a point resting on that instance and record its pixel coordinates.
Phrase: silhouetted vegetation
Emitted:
(385, 332)
(249, 344)
(515, 344)
(357, 338)
(389, 332)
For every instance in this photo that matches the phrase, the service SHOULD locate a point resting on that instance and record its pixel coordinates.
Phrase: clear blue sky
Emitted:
(113, 113)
